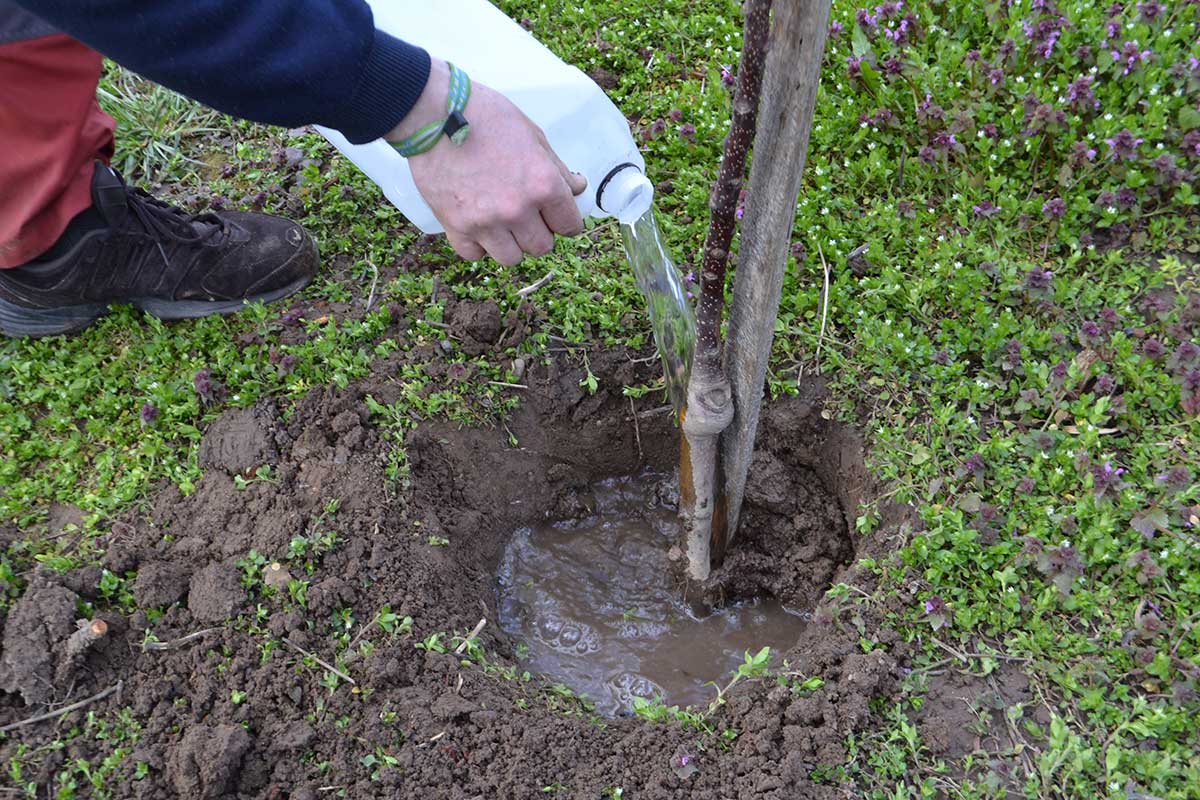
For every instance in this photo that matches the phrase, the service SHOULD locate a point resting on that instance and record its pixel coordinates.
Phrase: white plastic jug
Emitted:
(582, 125)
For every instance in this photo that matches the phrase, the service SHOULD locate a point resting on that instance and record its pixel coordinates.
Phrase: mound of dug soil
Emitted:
(244, 707)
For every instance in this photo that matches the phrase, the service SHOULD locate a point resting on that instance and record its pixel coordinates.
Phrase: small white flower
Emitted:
(1108, 117)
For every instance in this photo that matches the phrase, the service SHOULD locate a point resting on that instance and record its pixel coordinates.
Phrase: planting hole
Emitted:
(594, 601)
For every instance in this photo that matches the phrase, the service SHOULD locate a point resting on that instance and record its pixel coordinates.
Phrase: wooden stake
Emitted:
(785, 120)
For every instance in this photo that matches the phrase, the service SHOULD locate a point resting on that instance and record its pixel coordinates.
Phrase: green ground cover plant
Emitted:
(1004, 197)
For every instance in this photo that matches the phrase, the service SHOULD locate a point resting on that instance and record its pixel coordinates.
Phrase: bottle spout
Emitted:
(625, 193)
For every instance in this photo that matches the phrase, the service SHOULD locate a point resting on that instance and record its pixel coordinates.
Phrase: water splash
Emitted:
(671, 316)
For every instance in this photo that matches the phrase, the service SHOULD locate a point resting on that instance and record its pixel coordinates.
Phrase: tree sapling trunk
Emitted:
(709, 407)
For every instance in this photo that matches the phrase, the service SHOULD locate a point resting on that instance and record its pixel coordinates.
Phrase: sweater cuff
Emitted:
(393, 78)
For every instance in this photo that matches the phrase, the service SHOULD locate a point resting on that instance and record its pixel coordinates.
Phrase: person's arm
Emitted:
(296, 62)
(281, 62)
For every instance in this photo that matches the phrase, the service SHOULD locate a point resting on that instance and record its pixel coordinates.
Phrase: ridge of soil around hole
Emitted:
(448, 730)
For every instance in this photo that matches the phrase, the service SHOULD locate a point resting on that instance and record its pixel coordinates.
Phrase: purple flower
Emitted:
(1081, 154)
(1012, 355)
(1025, 486)
(973, 57)
(1038, 279)
(727, 76)
(905, 209)
(292, 317)
(1168, 173)
(892, 66)
(974, 463)
(1151, 10)
(1126, 198)
(941, 357)
(1191, 381)
(927, 156)
(287, 364)
(1130, 56)
(835, 29)
(1105, 385)
(1054, 208)
(799, 251)
(1153, 349)
(1179, 477)
(1084, 52)
(945, 140)
(1185, 355)
(1123, 146)
(853, 66)
(149, 415)
(1106, 478)
(991, 131)
(1089, 333)
(995, 76)
(866, 21)
(687, 131)
(208, 389)
(986, 209)
(1110, 31)
(675, 115)
(935, 605)
(1080, 94)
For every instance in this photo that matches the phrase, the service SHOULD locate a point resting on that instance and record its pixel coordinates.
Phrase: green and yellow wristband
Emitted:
(455, 125)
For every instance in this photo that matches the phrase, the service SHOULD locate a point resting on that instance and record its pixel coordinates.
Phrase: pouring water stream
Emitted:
(671, 316)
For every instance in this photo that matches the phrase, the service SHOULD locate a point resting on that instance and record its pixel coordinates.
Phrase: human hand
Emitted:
(502, 192)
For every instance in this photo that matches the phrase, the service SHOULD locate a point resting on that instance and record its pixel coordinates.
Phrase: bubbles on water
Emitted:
(567, 636)
(595, 605)
(624, 686)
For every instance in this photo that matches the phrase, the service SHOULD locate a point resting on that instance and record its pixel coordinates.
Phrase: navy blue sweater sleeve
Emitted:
(281, 62)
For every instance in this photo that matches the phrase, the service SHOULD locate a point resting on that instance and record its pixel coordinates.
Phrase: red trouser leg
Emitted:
(51, 132)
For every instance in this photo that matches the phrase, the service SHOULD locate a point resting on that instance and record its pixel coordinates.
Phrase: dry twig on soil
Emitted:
(320, 661)
(65, 709)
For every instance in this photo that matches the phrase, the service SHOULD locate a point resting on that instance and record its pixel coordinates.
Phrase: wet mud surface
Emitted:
(595, 603)
(235, 711)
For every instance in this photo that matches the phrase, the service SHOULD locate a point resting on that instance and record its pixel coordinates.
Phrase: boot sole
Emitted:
(19, 321)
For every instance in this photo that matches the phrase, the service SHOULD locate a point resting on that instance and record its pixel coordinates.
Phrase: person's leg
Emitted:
(52, 131)
(74, 238)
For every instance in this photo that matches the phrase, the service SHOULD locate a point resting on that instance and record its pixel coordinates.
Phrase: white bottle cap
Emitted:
(626, 193)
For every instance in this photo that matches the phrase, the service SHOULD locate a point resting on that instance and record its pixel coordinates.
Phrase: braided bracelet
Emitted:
(455, 125)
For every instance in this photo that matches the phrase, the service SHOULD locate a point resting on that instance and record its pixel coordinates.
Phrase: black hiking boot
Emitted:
(131, 248)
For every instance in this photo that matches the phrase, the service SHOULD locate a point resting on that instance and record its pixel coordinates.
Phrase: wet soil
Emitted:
(596, 604)
(233, 712)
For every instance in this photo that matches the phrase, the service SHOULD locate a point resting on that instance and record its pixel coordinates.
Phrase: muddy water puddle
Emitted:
(593, 601)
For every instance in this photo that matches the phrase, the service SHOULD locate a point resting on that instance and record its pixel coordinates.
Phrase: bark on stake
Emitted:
(789, 97)
(709, 409)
